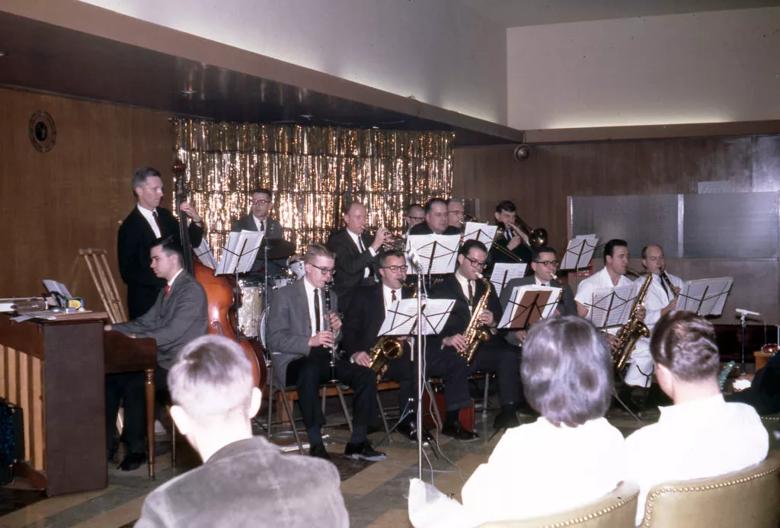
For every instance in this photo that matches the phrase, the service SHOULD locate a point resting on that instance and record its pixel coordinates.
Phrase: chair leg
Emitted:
(270, 401)
(288, 411)
(384, 418)
(344, 407)
(485, 396)
(432, 398)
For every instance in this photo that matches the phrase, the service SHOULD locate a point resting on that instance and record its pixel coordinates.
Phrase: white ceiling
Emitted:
(513, 13)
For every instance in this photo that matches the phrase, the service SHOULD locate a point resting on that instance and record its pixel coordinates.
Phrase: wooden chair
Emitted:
(97, 263)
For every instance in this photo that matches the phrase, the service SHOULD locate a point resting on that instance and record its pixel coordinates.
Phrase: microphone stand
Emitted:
(743, 326)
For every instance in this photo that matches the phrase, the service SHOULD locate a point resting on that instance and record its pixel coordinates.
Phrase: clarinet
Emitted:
(326, 293)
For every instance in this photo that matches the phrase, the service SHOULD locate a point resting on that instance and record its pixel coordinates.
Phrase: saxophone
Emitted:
(629, 333)
(385, 349)
(476, 332)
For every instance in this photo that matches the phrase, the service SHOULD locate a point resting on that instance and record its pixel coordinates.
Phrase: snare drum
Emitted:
(250, 309)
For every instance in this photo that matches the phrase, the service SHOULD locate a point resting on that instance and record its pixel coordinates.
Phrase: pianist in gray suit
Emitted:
(179, 315)
(244, 480)
(544, 263)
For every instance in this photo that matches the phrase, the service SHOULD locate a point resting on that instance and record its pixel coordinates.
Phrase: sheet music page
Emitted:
(401, 317)
(54, 286)
(205, 255)
(705, 296)
(484, 233)
(503, 272)
(445, 246)
(579, 252)
(245, 242)
(612, 306)
(517, 303)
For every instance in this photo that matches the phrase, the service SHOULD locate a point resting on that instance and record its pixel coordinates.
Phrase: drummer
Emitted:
(258, 219)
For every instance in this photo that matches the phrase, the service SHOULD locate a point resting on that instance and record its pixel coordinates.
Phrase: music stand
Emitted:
(484, 233)
(579, 252)
(236, 258)
(611, 306)
(503, 272)
(437, 254)
(204, 254)
(705, 296)
(528, 304)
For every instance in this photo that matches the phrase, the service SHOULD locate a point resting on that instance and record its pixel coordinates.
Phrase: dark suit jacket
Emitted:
(423, 229)
(250, 483)
(172, 321)
(448, 288)
(135, 240)
(288, 327)
(567, 306)
(364, 318)
(273, 229)
(350, 264)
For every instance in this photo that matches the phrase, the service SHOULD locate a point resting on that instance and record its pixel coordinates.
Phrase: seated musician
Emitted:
(513, 244)
(361, 326)
(301, 335)
(436, 220)
(494, 355)
(455, 213)
(179, 315)
(544, 263)
(414, 214)
(355, 252)
(568, 457)
(244, 480)
(260, 220)
(700, 435)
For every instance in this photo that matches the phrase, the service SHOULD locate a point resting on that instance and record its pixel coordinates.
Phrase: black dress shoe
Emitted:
(132, 461)
(458, 432)
(318, 450)
(363, 451)
(505, 420)
(409, 430)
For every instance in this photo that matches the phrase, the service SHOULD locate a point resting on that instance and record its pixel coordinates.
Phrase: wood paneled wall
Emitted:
(541, 184)
(74, 196)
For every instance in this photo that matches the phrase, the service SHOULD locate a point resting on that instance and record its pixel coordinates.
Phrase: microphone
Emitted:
(747, 313)
(414, 258)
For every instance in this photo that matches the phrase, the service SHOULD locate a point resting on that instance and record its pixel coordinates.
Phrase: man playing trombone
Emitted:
(511, 243)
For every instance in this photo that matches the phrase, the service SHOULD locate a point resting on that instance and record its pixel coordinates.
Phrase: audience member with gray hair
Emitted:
(568, 457)
(244, 480)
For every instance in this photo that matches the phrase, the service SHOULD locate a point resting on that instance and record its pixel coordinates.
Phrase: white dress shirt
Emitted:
(356, 239)
(148, 214)
(696, 439)
(310, 301)
(598, 281)
(535, 469)
(657, 297)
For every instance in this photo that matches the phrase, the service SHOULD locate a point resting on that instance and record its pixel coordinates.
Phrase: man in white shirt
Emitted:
(700, 435)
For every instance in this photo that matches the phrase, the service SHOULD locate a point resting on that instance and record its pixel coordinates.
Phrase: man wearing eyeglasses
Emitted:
(494, 355)
(259, 220)
(544, 263)
(361, 328)
(303, 332)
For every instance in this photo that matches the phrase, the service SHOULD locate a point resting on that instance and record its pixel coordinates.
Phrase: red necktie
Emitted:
(167, 290)
(392, 296)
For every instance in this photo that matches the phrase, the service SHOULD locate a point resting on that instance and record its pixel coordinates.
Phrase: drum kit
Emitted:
(281, 267)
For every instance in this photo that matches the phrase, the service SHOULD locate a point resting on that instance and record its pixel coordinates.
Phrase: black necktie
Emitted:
(392, 296)
(157, 221)
(471, 294)
(360, 244)
(663, 285)
(317, 310)
(262, 225)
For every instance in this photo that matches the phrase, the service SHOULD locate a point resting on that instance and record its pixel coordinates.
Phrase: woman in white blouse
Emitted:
(568, 457)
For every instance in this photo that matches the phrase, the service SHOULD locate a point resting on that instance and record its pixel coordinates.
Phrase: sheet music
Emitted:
(53, 286)
(445, 248)
(484, 233)
(529, 303)
(205, 255)
(401, 317)
(579, 252)
(240, 252)
(705, 296)
(503, 272)
(612, 306)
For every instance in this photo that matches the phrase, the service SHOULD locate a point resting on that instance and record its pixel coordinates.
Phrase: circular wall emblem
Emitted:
(43, 133)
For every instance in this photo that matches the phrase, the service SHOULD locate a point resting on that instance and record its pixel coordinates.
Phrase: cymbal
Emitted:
(279, 249)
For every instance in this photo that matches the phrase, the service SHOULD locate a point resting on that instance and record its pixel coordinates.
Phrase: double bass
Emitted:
(220, 291)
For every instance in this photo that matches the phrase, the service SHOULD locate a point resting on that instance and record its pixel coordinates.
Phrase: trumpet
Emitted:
(393, 240)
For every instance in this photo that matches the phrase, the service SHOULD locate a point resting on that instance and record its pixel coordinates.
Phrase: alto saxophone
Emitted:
(629, 333)
(385, 349)
(476, 332)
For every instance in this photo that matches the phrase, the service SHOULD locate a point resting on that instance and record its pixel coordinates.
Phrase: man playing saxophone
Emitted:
(469, 290)
(361, 326)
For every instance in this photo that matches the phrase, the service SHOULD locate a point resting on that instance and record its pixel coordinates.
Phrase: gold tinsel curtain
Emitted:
(314, 173)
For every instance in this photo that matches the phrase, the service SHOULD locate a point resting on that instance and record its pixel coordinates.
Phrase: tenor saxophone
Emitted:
(476, 332)
(629, 333)
(385, 349)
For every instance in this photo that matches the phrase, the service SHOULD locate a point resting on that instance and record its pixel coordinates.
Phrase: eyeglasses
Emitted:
(260, 202)
(476, 263)
(395, 268)
(547, 262)
(324, 270)
(417, 218)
